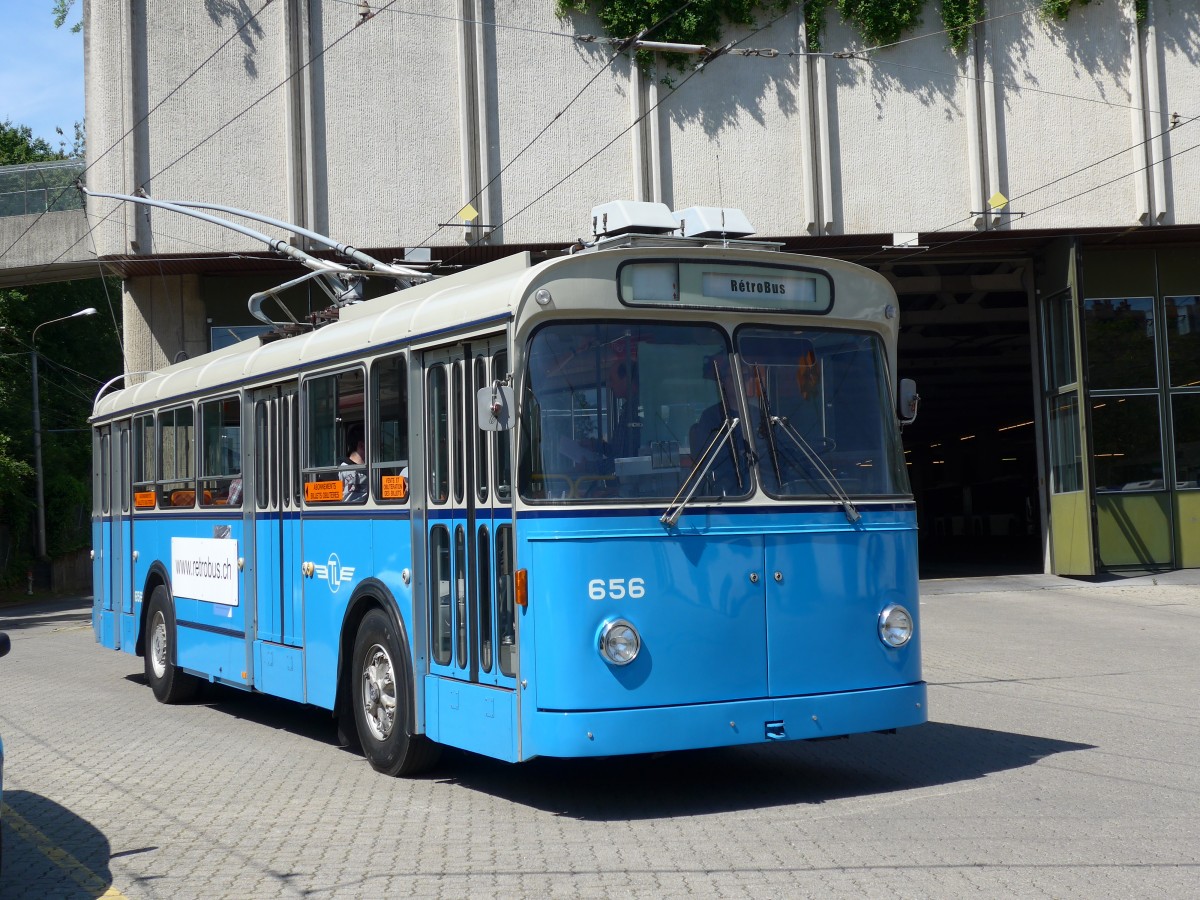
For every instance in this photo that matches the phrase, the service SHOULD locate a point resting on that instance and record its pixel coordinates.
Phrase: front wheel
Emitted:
(381, 696)
(169, 683)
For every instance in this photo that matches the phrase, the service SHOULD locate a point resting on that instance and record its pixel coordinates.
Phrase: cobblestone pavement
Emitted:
(1062, 760)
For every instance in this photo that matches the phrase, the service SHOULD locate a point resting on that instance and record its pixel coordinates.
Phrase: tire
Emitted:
(169, 683)
(381, 692)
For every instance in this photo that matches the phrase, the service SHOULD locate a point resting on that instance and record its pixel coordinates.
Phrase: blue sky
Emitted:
(41, 70)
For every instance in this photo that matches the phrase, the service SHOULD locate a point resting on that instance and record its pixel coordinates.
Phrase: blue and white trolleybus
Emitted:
(646, 496)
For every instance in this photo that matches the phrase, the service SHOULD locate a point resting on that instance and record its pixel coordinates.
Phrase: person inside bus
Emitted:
(353, 468)
(623, 382)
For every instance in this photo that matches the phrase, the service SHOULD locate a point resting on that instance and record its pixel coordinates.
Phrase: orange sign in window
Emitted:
(322, 491)
(145, 499)
(395, 487)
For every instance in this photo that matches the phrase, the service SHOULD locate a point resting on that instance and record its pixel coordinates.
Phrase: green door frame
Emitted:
(1068, 445)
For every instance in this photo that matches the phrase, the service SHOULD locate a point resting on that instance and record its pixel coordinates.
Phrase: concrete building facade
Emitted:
(377, 123)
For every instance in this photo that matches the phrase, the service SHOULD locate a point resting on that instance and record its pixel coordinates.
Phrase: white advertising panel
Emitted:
(205, 569)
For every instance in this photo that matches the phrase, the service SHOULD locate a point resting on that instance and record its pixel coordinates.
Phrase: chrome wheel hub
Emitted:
(379, 692)
(158, 646)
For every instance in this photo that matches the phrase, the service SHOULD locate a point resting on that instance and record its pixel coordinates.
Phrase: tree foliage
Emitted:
(75, 357)
(18, 145)
(880, 22)
(62, 12)
(700, 22)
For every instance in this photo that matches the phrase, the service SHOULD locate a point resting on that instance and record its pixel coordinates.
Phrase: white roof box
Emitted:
(631, 217)
(713, 222)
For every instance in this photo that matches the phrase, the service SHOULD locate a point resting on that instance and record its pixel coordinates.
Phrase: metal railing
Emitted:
(32, 188)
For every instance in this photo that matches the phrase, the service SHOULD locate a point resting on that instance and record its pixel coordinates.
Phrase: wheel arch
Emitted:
(157, 576)
(371, 593)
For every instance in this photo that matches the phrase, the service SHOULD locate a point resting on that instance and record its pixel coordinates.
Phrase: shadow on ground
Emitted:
(700, 782)
(48, 846)
(704, 782)
(22, 614)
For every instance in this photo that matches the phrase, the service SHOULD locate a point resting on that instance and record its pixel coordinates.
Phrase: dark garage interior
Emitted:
(972, 453)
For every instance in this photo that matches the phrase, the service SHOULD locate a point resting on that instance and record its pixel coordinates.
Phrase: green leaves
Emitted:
(882, 21)
(959, 16)
(700, 22)
(18, 145)
(62, 9)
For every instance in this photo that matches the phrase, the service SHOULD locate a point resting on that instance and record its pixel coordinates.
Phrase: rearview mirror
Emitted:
(493, 407)
(909, 401)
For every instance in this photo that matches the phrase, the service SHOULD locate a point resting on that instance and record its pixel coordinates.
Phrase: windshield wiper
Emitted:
(765, 409)
(699, 471)
(839, 493)
(707, 458)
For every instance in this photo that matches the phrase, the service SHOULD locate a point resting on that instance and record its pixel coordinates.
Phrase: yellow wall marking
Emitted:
(76, 871)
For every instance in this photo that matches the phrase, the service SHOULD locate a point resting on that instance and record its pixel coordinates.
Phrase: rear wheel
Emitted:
(381, 694)
(170, 685)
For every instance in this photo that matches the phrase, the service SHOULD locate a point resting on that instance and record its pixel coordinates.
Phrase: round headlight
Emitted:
(895, 626)
(619, 642)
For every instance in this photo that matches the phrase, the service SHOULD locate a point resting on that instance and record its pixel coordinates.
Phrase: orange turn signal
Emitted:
(522, 579)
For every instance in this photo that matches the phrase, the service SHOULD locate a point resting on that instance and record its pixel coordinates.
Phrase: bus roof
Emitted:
(477, 294)
(486, 293)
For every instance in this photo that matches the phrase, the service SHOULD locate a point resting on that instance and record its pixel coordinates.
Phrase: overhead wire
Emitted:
(138, 124)
(557, 116)
(299, 69)
(1059, 202)
(48, 374)
(424, 15)
(637, 121)
(389, 7)
(729, 49)
(1034, 7)
(112, 313)
(979, 79)
(212, 134)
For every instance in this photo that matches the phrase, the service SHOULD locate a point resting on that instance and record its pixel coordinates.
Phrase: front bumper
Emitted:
(658, 729)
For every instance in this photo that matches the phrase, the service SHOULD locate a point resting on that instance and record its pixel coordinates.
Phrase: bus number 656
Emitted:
(616, 589)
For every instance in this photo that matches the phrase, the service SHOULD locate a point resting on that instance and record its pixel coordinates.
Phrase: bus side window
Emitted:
(262, 453)
(479, 380)
(335, 407)
(104, 467)
(176, 436)
(438, 427)
(388, 455)
(220, 453)
(506, 610)
(145, 493)
(441, 615)
(502, 456)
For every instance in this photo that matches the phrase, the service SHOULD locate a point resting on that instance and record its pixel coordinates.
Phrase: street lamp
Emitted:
(37, 430)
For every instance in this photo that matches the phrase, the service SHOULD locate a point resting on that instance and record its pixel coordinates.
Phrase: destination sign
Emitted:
(727, 286)
(797, 289)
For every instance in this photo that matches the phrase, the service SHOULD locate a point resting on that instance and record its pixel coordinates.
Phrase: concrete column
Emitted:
(164, 318)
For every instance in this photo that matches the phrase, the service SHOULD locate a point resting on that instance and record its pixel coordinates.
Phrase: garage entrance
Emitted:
(972, 453)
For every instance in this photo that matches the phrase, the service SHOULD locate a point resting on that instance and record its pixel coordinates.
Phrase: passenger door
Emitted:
(471, 613)
(271, 507)
(111, 567)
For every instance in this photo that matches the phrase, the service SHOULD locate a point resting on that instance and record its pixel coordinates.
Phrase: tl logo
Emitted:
(335, 573)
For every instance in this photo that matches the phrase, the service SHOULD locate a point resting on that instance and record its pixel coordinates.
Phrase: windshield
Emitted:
(640, 410)
(625, 410)
(820, 414)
